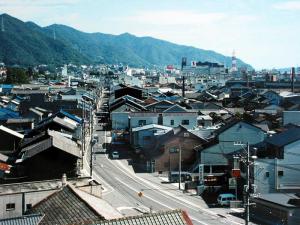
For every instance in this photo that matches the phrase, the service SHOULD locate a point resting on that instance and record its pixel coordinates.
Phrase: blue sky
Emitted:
(264, 33)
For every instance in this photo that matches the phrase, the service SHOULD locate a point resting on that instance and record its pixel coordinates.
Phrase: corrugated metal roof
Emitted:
(33, 219)
(151, 126)
(12, 132)
(7, 113)
(71, 116)
(64, 123)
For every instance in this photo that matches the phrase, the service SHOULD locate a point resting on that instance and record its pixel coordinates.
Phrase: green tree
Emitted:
(16, 76)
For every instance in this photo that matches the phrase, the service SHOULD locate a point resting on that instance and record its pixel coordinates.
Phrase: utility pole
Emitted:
(247, 206)
(91, 142)
(84, 117)
(179, 167)
(247, 190)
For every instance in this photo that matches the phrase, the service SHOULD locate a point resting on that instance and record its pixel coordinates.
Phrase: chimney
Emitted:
(64, 180)
(183, 86)
(293, 78)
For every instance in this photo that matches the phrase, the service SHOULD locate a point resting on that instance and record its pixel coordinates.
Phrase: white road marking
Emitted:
(180, 200)
(152, 199)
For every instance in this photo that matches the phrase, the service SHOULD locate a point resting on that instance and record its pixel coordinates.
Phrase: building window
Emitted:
(267, 174)
(185, 134)
(173, 149)
(280, 173)
(10, 206)
(172, 122)
(147, 138)
(28, 206)
(142, 122)
(185, 122)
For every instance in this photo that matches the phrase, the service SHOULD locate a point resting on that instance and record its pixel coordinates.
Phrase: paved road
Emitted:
(122, 186)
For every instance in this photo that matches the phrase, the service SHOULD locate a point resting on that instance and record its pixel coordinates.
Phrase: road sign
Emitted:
(201, 174)
(236, 172)
(232, 183)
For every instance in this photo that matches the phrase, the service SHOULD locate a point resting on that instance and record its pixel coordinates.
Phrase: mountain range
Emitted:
(26, 44)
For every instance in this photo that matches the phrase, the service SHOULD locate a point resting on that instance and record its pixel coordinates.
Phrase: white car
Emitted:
(115, 155)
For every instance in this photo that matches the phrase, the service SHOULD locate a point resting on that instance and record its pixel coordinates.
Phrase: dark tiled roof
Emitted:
(23, 220)
(65, 207)
(176, 217)
(125, 100)
(285, 137)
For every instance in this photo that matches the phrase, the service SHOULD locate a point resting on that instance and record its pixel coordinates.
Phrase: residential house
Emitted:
(65, 206)
(165, 155)
(138, 119)
(276, 208)
(10, 140)
(278, 164)
(146, 136)
(273, 97)
(229, 139)
(177, 115)
(60, 201)
(47, 156)
(60, 121)
(125, 90)
(159, 106)
(121, 109)
(291, 117)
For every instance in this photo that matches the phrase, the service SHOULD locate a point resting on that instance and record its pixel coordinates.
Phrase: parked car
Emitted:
(224, 199)
(174, 176)
(115, 155)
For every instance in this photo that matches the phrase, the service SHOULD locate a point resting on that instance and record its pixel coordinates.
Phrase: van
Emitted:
(174, 176)
(224, 199)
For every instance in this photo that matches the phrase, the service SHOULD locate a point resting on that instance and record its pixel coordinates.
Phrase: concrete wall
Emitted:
(119, 120)
(178, 118)
(264, 183)
(146, 138)
(290, 165)
(29, 198)
(291, 117)
(134, 120)
(239, 133)
(170, 161)
(270, 213)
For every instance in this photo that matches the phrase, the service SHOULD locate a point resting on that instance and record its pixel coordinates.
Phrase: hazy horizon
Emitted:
(262, 33)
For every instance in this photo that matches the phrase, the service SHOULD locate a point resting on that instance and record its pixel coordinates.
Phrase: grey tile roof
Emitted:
(279, 198)
(65, 207)
(175, 108)
(56, 140)
(284, 138)
(175, 217)
(23, 220)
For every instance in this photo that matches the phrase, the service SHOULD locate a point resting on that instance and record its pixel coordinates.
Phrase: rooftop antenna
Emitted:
(2, 24)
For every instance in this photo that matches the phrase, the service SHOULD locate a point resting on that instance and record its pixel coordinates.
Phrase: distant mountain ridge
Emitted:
(26, 43)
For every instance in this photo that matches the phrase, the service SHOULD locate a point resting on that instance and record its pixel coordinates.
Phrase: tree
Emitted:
(16, 76)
